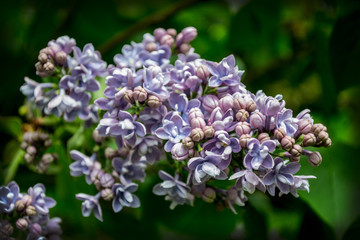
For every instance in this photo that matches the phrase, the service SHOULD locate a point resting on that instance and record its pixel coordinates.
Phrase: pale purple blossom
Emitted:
(281, 176)
(181, 104)
(224, 73)
(259, 154)
(128, 170)
(175, 190)
(90, 204)
(8, 196)
(124, 197)
(155, 82)
(173, 131)
(82, 165)
(248, 181)
(206, 168)
(40, 201)
(285, 121)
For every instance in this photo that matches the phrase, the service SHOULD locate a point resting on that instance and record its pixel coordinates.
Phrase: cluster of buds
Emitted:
(169, 37)
(32, 212)
(35, 145)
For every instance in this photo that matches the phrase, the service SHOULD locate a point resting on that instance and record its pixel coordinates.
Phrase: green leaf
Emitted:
(14, 164)
(11, 126)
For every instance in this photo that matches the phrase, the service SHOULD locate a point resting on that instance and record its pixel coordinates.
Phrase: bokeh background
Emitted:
(308, 51)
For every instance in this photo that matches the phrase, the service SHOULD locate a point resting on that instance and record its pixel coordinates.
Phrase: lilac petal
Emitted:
(269, 178)
(159, 190)
(256, 162)
(252, 178)
(237, 175)
(49, 202)
(247, 161)
(76, 155)
(235, 145)
(103, 103)
(168, 146)
(212, 67)
(132, 187)
(186, 131)
(116, 205)
(82, 196)
(286, 178)
(177, 121)
(140, 129)
(268, 162)
(161, 133)
(271, 189)
(291, 168)
(135, 202)
(55, 102)
(165, 176)
(270, 144)
(284, 188)
(119, 142)
(221, 176)
(98, 212)
(194, 162)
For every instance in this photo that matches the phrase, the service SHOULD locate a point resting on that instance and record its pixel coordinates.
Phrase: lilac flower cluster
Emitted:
(213, 128)
(32, 210)
(68, 81)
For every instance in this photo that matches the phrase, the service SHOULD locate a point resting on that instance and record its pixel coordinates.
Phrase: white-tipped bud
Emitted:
(188, 142)
(197, 123)
(154, 101)
(226, 102)
(242, 128)
(139, 94)
(242, 115)
(195, 113)
(263, 137)
(209, 131)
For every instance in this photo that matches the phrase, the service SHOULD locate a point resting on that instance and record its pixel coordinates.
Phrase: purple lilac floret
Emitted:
(259, 154)
(90, 204)
(8, 196)
(39, 199)
(206, 168)
(124, 197)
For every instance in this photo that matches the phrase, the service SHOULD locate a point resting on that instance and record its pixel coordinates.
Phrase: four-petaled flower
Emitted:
(258, 154)
(89, 204)
(123, 196)
(206, 168)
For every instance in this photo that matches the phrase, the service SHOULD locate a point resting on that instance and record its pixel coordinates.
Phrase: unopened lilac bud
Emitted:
(197, 134)
(257, 120)
(209, 195)
(61, 57)
(210, 102)
(106, 180)
(129, 96)
(22, 224)
(42, 167)
(30, 210)
(154, 101)
(139, 94)
(39, 67)
(179, 152)
(239, 103)
(27, 200)
(315, 159)
(167, 40)
(226, 103)
(48, 143)
(287, 142)
(31, 150)
(202, 72)
(107, 194)
(123, 152)
(296, 150)
(159, 33)
(19, 205)
(96, 173)
(24, 145)
(242, 115)
(304, 126)
(151, 47)
(171, 31)
(47, 158)
(43, 57)
(317, 128)
(279, 133)
(46, 51)
(295, 158)
(327, 143)
(97, 137)
(192, 152)
(6, 230)
(242, 128)
(110, 153)
(251, 106)
(187, 34)
(195, 113)
(263, 137)
(309, 140)
(184, 48)
(188, 142)
(197, 123)
(36, 229)
(208, 131)
(322, 136)
(28, 158)
(48, 67)
(244, 139)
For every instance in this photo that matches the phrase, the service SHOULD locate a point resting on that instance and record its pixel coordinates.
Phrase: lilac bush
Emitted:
(163, 103)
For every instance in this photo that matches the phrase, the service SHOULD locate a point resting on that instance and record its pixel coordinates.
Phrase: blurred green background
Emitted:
(309, 51)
